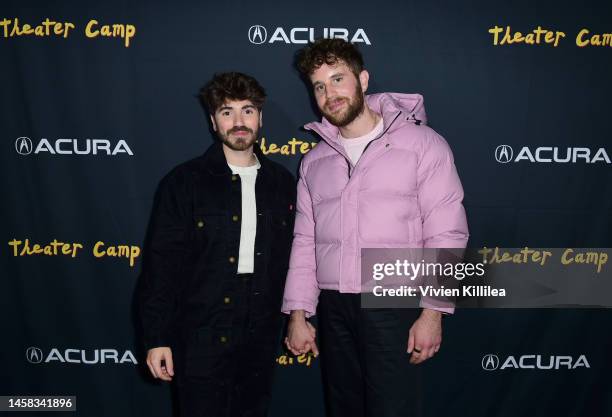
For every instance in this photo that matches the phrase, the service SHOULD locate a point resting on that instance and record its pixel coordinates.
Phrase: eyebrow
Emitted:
(247, 106)
(334, 75)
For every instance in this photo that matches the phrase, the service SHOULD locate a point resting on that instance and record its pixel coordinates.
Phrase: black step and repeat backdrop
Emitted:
(98, 103)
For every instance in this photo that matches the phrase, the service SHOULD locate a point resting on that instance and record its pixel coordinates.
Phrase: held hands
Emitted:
(301, 335)
(425, 336)
(155, 357)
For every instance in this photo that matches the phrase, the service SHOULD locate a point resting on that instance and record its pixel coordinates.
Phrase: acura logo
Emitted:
(552, 154)
(536, 362)
(490, 362)
(504, 154)
(23, 145)
(81, 356)
(34, 355)
(258, 34)
(67, 146)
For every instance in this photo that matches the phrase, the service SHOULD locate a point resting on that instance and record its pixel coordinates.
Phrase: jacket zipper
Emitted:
(369, 143)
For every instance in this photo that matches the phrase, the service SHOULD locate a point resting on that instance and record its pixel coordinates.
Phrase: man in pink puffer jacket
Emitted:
(380, 178)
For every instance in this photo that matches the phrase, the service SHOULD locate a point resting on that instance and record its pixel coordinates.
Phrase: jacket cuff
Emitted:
(445, 308)
(309, 308)
(156, 341)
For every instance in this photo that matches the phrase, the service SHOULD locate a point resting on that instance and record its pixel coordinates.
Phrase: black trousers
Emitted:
(227, 372)
(366, 370)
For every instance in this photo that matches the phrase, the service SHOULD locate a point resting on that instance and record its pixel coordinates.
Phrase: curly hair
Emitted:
(329, 51)
(231, 86)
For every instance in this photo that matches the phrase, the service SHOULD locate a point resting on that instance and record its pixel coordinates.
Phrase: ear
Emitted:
(364, 78)
(212, 119)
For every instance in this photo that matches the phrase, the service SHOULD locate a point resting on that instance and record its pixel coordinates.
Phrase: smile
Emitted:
(335, 106)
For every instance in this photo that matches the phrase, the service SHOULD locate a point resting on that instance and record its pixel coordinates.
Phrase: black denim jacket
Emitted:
(191, 250)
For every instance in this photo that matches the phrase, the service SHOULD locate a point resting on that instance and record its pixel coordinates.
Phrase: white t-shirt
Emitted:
(354, 146)
(248, 223)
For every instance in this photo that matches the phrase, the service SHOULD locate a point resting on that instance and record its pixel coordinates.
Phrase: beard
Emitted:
(236, 142)
(354, 107)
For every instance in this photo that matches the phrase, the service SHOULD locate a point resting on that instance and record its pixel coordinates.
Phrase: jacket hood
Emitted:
(389, 105)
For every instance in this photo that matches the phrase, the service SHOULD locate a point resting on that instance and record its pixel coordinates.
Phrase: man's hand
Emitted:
(425, 336)
(301, 335)
(155, 357)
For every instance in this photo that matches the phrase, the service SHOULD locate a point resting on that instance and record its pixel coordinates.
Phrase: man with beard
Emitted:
(215, 263)
(378, 178)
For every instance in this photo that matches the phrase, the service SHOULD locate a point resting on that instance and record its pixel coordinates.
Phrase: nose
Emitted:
(329, 91)
(238, 119)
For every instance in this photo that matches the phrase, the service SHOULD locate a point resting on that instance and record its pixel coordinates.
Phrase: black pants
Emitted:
(227, 372)
(366, 370)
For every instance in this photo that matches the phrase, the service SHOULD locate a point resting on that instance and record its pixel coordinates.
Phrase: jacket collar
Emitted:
(213, 160)
(390, 105)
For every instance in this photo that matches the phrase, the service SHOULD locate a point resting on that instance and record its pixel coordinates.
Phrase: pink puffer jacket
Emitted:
(403, 192)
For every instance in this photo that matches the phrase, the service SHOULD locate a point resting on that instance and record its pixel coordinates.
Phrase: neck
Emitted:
(363, 124)
(244, 158)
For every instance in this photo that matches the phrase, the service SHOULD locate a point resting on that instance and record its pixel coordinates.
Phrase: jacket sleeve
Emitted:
(301, 289)
(440, 197)
(166, 248)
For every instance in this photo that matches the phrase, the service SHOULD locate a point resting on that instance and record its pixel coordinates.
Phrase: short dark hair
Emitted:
(231, 86)
(329, 51)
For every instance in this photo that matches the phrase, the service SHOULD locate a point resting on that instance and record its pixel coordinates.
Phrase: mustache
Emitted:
(239, 129)
(335, 100)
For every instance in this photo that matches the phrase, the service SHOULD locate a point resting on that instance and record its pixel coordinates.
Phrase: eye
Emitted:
(319, 88)
(225, 113)
(249, 111)
(337, 79)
